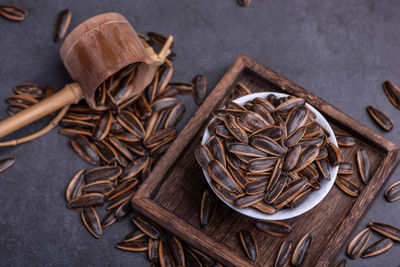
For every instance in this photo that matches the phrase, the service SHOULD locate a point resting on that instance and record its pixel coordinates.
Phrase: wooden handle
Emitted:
(70, 94)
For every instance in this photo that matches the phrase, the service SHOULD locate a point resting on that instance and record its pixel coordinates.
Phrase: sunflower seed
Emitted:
(249, 245)
(358, 243)
(175, 115)
(221, 175)
(364, 165)
(297, 117)
(135, 246)
(134, 168)
(106, 151)
(265, 103)
(14, 13)
(62, 23)
(153, 250)
(291, 191)
(122, 188)
(256, 187)
(164, 103)
(147, 227)
(312, 129)
(102, 128)
(295, 137)
(306, 156)
(345, 140)
(217, 150)
(347, 186)
(300, 252)
(176, 249)
(333, 153)
(386, 230)
(276, 190)
(226, 195)
(91, 221)
(346, 168)
(251, 121)
(393, 192)
(244, 201)
(380, 118)
(207, 208)
(75, 186)
(102, 187)
(243, 3)
(267, 145)
(274, 132)
(300, 198)
(324, 169)
(87, 200)
(203, 155)
(232, 126)
(291, 158)
(283, 257)
(392, 92)
(265, 208)
(102, 173)
(379, 247)
(200, 88)
(164, 255)
(245, 150)
(108, 220)
(261, 165)
(274, 228)
(131, 123)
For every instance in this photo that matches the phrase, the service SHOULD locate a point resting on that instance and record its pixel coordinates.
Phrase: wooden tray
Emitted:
(171, 194)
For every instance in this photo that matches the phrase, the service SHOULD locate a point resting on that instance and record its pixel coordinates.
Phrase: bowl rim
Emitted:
(312, 200)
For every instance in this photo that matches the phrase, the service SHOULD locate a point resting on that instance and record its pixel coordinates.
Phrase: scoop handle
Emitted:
(70, 94)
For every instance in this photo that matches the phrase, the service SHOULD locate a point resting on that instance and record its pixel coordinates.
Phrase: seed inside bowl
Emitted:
(265, 154)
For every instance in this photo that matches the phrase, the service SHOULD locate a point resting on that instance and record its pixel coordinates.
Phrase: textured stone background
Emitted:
(340, 50)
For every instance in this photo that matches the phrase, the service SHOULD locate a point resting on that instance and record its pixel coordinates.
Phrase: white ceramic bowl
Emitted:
(312, 200)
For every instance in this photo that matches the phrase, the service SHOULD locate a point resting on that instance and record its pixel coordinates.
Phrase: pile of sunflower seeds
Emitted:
(268, 154)
(127, 139)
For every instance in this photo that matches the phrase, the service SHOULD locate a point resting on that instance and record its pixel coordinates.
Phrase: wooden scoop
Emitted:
(93, 51)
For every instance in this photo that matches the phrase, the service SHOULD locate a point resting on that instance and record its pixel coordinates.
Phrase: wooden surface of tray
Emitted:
(171, 195)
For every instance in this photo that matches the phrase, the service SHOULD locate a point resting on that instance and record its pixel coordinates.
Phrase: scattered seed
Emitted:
(393, 192)
(347, 186)
(300, 252)
(14, 13)
(392, 92)
(249, 245)
(386, 230)
(379, 247)
(275, 228)
(364, 165)
(207, 208)
(91, 221)
(358, 243)
(62, 23)
(284, 254)
(243, 3)
(380, 118)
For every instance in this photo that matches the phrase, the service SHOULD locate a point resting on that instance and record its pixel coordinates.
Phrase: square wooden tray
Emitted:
(171, 194)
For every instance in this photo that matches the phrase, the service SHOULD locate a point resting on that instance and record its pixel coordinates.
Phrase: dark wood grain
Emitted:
(171, 194)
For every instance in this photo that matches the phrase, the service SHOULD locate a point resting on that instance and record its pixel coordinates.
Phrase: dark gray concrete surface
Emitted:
(340, 50)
